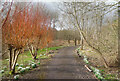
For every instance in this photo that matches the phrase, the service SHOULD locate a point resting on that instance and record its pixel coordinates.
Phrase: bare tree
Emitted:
(82, 16)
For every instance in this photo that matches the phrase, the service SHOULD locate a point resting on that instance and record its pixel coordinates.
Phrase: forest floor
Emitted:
(112, 72)
(65, 64)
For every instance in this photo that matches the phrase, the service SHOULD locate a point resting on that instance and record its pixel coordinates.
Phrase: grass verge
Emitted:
(24, 60)
(99, 70)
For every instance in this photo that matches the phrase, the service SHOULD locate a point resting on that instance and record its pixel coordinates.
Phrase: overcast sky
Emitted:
(60, 0)
(52, 4)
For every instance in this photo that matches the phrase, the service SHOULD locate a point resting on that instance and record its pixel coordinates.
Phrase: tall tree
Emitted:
(80, 12)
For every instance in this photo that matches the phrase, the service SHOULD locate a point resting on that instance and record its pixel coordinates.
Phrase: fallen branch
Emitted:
(88, 68)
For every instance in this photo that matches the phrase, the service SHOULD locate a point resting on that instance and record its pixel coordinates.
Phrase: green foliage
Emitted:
(24, 60)
(101, 70)
(48, 49)
(22, 70)
(2, 71)
(27, 68)
(21, 65)
(10, 72)
(39, 63)
(85, 58)
(97, 72)
(17, 64)
(19, 68)
(111, 77)
(7, 59)
(33, 65)
(16, 77)
(4, 67)
(44, 57)
(86, 61)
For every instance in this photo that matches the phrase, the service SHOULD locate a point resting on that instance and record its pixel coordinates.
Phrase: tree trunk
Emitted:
(75, 42)
(33, 52)
(10, 57)
(81, 43)
(78, 41)
(34, 57)
(15, 61)
(68, 41)
(82, 34)
(105, 63)
(13, 57)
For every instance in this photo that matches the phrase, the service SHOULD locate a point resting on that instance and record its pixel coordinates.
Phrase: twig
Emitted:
(88, 68)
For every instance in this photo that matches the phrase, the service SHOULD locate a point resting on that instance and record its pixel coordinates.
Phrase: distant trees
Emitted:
(69, 35)
(25, 28)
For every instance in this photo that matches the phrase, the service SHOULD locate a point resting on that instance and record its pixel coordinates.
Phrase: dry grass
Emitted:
(96, 61)
(61, 43)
